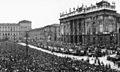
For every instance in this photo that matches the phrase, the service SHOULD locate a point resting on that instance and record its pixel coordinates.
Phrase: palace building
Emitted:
(97, 24)
(11, 31)
(47, 33)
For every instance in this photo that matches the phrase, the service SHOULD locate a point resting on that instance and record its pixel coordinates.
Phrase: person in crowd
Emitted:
(14, 60)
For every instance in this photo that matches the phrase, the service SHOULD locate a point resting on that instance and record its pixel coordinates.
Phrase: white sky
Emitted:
(40, 12)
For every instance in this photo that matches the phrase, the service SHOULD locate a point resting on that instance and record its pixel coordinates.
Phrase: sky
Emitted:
(40, 12)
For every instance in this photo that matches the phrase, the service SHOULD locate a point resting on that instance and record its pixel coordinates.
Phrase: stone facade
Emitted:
(47, 33)
(24, 26)
(97, 24)
(11, 31)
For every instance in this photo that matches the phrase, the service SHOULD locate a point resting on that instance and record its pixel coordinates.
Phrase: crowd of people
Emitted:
(38, 61)
(76, 49)
(13, 58)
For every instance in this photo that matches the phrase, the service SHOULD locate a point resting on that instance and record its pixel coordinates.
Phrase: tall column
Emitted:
(82, 32)
(77, 30)
(75, 35)
(63, 32)
(68, 38)
(78, 38)
(73, 31)
(119, 38)
(84, 28)
(68, 27)
(62, 38)
(116, 31)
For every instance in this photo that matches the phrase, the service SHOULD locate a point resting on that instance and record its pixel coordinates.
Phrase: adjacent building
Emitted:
(47, 33)
(14, 31)
(97, 24)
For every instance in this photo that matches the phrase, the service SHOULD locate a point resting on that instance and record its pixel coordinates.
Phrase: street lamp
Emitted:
(14, 40)
(26, 37)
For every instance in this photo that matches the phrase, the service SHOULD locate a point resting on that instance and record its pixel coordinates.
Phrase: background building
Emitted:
(47, 33)
(11, 31)
(24, 26)
(97, 24)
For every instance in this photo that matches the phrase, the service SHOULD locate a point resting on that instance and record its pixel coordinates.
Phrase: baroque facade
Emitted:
(97, 24)
(47, 33)
(11, 31)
